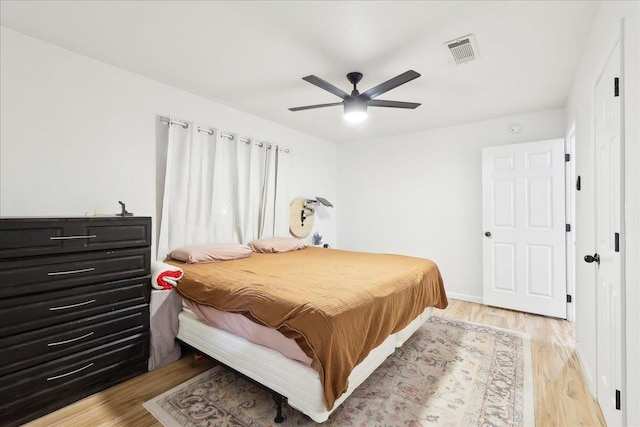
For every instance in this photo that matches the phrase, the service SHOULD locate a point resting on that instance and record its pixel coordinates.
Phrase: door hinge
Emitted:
(617, 399)
(567, 157)
(578, 183)
(567, 227)
(617, 242)
(616, 86)
(568, 298)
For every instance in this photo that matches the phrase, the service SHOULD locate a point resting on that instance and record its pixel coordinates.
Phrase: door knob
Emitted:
(590, 259)
(487, 233)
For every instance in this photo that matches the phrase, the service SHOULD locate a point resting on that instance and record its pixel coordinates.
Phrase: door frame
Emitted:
(570, 218)
(623, 236)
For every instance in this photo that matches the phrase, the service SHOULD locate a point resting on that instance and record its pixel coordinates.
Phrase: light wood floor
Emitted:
(561, 395)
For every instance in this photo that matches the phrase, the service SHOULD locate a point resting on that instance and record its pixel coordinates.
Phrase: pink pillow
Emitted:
(210, 253)
(277, 244)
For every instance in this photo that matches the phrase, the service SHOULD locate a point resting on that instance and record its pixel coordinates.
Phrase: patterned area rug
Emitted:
(449, 373)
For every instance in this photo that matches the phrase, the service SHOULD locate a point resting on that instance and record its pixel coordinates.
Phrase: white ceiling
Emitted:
(252, 55)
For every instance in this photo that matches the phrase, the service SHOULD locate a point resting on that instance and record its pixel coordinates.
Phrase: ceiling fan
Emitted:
(355, 105)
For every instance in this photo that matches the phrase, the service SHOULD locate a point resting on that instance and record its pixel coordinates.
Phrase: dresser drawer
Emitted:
(21, 237)
(70, 378)
(19, 277)
(30, 312)
(65, 371)
(35, 347)
(18, 412)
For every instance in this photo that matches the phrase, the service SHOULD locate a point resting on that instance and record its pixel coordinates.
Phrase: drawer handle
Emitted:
(65, 307)
(70, 373)
(62, 273)
(52, 344)
(72, 237)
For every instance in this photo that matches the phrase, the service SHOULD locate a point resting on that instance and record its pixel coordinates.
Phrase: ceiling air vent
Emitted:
(463, 49)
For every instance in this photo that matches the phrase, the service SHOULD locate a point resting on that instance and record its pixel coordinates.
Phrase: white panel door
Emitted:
(607, 260)
(523, 215)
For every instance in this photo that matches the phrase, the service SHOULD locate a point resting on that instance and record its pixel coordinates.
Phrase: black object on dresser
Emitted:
(74, 309)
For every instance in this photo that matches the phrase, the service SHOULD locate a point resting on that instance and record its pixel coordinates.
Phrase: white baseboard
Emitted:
(586, 371)
(463, 297)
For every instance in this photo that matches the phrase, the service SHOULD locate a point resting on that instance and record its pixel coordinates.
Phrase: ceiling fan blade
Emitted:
(309, 107)
(393, 104)
(390, 84)
(326, 86)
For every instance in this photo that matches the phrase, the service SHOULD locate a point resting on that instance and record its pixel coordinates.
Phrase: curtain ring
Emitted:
(209, 131)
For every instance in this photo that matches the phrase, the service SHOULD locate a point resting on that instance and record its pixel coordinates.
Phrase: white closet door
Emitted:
(608, 261)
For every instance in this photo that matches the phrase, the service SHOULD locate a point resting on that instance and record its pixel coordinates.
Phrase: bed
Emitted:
(346, 311)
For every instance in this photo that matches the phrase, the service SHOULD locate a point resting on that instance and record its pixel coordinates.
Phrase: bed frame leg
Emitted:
(279, 418)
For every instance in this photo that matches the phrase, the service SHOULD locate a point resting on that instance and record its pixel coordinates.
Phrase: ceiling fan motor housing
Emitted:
(354, 77)
(355, 104)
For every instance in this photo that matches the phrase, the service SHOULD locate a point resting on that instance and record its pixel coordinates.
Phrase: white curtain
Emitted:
(222, 188)
(251, 156)
(267, 209)
(281, 194)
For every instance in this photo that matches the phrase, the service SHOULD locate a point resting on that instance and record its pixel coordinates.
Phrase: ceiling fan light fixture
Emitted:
(355, 116)
(355, 110)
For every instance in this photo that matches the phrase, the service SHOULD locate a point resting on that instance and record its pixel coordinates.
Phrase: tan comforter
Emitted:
(337, 305)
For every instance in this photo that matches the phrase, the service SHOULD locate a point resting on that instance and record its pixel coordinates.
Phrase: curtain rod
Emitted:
(260, 144)
(170, 121)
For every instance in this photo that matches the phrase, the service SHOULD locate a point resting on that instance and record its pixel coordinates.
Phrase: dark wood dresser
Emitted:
(74, 309)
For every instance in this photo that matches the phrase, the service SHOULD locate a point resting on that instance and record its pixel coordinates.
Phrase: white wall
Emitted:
(420, 194)
(605, 32)
(78, 135)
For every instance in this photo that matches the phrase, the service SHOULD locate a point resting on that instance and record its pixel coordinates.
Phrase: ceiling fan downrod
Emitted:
(354, 78)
